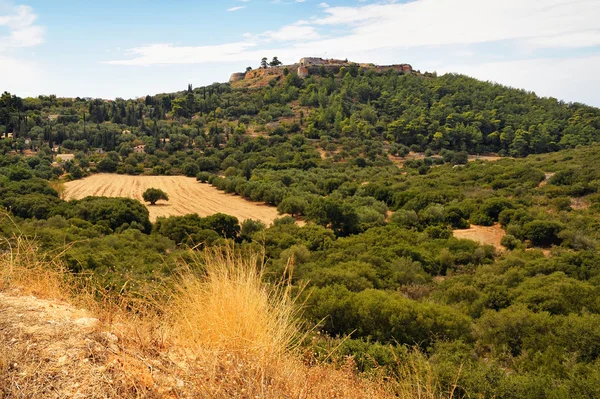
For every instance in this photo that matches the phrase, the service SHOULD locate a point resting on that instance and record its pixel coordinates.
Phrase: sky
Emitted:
(132, 48)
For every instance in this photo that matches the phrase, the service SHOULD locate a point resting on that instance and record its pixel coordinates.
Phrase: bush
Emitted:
(510, 242)
(249, 227)
(203, 177)
(18, 174)
(436, 232)
(107, 165)
(494, 206)
(111, 212)
(543, 232)
(190, 169)
(481, 219)
(293, 205)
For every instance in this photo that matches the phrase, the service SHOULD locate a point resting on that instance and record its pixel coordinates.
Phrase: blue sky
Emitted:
(132, 48)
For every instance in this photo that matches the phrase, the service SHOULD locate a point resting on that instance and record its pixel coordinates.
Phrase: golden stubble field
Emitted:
(186, 196)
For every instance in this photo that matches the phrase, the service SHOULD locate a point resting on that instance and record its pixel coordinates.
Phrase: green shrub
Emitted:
(510, 242)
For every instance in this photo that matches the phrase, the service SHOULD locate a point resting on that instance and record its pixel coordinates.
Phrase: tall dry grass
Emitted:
(23, 267)
(228, 308)
(240, 335)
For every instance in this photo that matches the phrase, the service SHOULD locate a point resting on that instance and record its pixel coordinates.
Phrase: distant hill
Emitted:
(409, 111)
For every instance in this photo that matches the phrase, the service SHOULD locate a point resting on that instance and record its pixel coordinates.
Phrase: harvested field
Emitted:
(186, 196)
(485, 235)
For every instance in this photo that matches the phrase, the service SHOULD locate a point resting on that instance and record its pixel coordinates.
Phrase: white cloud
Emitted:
(566, 40)
(20, 22)
(440, 22)
(236, 8)
(530, 23)
(169, 54)
(388, 32)
(299, 31)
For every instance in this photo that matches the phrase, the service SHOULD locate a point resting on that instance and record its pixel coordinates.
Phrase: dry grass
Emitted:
(230, 310)
(24, 269)
(186, 195)
(223, 333)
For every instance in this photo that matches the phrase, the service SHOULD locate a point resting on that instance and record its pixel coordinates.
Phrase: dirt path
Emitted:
(186, 196)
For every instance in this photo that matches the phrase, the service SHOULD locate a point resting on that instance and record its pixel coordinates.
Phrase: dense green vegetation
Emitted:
(377, 256)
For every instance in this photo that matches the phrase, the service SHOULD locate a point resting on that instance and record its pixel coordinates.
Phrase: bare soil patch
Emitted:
(547, 177)
(399, 161)
(579, 204)
(485, 235)
(186, 196)
(490, 158)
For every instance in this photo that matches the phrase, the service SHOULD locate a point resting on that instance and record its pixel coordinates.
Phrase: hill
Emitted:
(387, 170)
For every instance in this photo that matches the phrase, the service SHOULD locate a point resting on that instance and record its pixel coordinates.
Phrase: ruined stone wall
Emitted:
(404, 68)
(313, 66)
(235, 77)
(303, 71)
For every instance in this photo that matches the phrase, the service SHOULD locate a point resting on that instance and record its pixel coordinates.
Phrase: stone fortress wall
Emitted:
(311, 65)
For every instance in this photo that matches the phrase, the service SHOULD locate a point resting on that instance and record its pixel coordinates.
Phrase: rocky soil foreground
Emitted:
(50, 349)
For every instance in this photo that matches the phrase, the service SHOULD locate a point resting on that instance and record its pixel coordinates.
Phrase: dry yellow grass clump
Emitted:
(229, 308)
(222, 333)
(21, 266)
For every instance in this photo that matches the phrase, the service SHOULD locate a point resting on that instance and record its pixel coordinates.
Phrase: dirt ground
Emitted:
(547, 177)
(579, 204)
(186, 196)
(50, 349)
(486, 235)
(490, 158)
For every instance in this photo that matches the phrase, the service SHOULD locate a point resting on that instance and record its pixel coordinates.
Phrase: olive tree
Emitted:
(152, 195)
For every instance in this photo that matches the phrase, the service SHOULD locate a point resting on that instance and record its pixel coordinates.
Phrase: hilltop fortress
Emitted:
(313, 65)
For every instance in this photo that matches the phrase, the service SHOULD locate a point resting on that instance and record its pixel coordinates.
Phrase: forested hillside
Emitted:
(377, 165)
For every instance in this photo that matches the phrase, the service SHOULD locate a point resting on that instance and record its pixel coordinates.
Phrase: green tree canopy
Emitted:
(152, 195)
